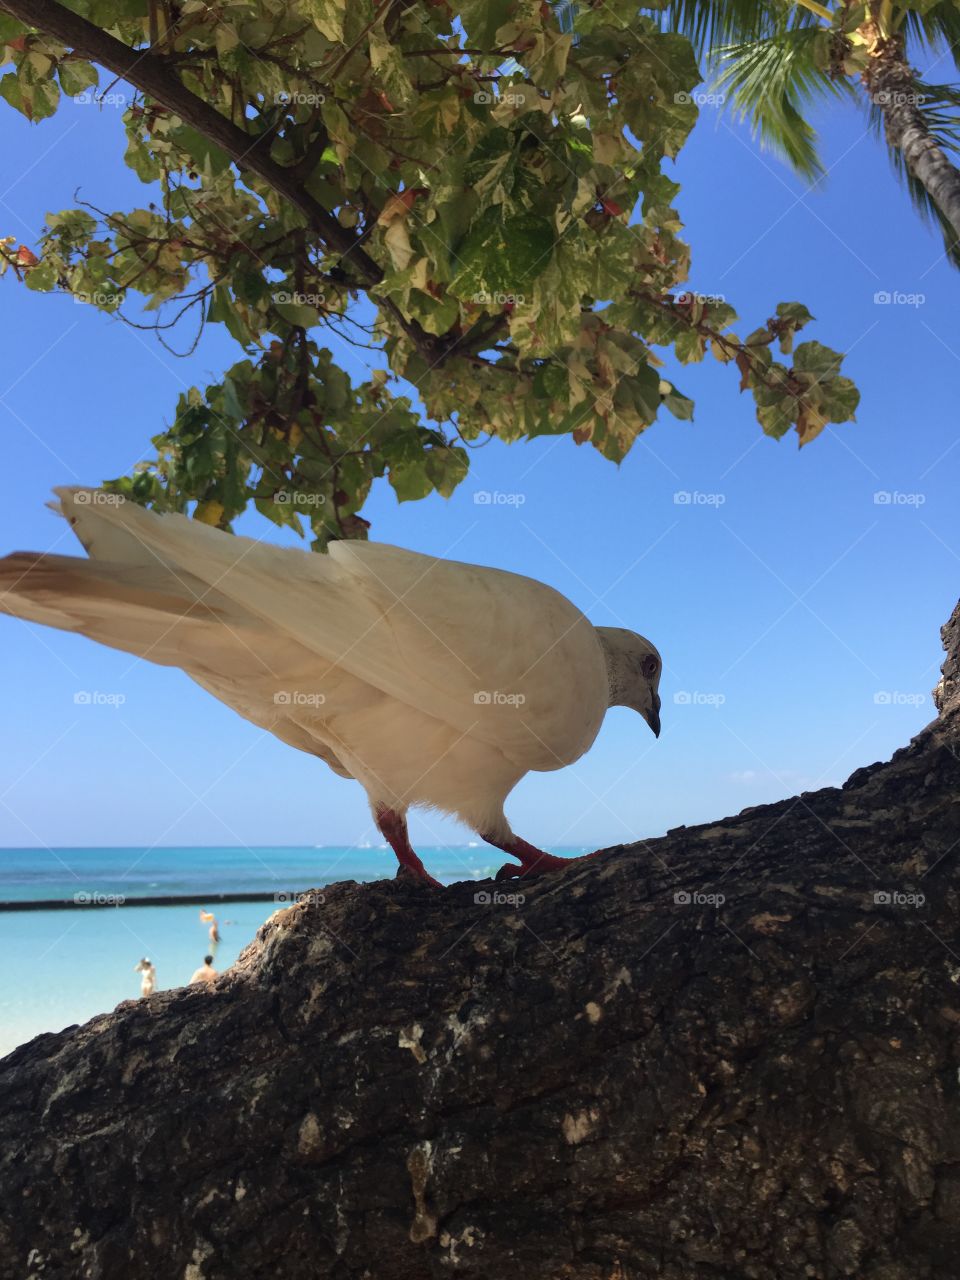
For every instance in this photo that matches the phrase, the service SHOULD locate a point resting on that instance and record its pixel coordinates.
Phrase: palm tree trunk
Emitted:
(891, 84)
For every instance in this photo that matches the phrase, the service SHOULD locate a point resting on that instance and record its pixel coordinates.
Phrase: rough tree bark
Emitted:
(602, 1082)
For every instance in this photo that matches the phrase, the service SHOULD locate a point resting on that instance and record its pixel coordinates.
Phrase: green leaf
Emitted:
(813, 357)
(208, 158)
(795, 312)
(840, 399)
(297, 314)
(10, 28)
(10, 91)
(679, 405)
(512, 287)
(42, 278)
(689, 346)
(552, 382)
(410, 480)
(76, 76)
(446, 468)
(502, 256)
(139, 158)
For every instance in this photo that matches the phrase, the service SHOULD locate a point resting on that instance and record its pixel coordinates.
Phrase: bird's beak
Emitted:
(652, 718)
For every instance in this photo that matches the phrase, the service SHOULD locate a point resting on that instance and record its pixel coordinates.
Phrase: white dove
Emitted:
(432, 683)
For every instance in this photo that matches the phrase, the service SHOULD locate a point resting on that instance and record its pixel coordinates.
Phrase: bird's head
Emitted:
(633, 672)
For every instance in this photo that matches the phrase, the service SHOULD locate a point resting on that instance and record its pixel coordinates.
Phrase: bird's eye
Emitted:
(649, 666)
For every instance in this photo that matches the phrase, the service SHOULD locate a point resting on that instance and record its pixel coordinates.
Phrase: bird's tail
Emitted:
(183, 594)
(150, 611)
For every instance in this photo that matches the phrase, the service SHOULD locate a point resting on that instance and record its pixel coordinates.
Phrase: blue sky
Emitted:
(783, 612)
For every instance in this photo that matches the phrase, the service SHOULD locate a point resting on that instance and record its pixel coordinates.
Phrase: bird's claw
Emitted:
(409, 875)
(509, 871)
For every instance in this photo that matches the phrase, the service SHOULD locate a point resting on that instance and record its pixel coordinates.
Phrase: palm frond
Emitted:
(936, 29)
(940, 108)
(771, 82)
(711, 24)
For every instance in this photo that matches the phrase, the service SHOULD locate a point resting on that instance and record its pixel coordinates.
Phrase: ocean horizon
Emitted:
(59, 967)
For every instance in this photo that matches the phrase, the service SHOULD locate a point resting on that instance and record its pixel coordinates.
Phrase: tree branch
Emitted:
(727, 1051)
(146, 72)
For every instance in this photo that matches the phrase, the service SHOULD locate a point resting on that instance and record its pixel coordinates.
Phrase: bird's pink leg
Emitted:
(532, 860)
(393, 828)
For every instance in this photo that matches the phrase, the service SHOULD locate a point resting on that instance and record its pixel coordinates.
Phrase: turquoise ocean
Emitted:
(62, 966)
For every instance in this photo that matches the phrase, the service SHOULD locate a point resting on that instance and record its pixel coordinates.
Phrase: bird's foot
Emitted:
(533, 861)
(546, 862)
(393, 827)
(406, 872)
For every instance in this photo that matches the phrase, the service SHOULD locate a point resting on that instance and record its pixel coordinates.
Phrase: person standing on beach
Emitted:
(209, 917)
(206, 972)
(148, 976)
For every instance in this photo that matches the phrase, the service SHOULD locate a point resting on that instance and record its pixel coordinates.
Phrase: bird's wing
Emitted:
(495, 655)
